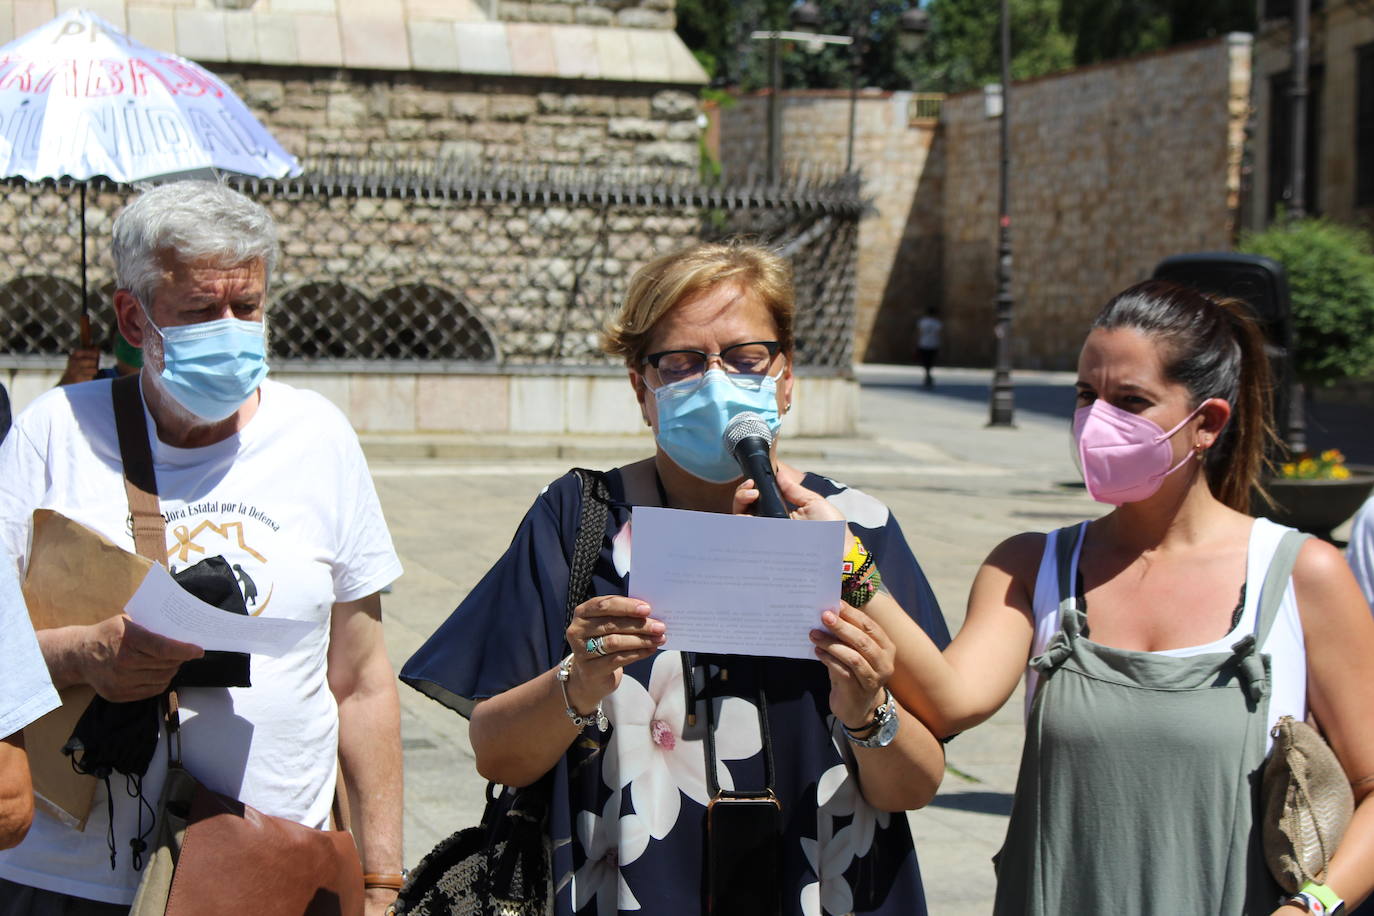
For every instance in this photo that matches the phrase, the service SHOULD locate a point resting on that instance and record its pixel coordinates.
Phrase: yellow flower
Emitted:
(1306, 466)
(1332, 456)
(1340, 472)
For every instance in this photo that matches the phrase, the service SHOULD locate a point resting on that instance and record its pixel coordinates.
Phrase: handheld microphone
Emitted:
(747, 437)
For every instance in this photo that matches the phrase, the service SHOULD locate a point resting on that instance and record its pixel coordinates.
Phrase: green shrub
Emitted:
(1331, 277)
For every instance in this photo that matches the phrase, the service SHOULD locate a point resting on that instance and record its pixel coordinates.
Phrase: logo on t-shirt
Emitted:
(233, 530)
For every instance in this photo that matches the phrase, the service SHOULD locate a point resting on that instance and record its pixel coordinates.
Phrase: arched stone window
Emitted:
(428, 322)
(41, 315)
(324, 321)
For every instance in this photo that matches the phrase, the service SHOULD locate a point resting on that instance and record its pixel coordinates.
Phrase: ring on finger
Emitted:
(596, 646)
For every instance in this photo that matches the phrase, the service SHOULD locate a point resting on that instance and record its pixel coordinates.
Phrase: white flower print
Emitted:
(831, 853)
(838, 795)
(647, 752)
(620, 548)
(609, 841)
(859, 508)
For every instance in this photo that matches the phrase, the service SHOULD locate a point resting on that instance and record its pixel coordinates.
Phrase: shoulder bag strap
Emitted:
(145, 511)
(140, 481)
(591, 530)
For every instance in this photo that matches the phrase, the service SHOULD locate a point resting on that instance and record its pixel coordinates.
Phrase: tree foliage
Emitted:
(962, 50)
(1331, 281)
(1108, 29)
(718, 32)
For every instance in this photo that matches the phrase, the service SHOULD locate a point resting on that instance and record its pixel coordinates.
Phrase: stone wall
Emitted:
(429, 115)
(898, 235)
(631, 14)
(1113, 168)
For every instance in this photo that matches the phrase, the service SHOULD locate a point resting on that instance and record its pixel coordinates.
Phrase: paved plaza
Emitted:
(957, 487)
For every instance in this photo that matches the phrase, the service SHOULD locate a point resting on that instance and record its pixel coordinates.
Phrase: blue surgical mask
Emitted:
(213, 367)
(692, 417)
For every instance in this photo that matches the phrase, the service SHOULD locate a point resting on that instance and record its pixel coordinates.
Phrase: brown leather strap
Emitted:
(140, 481)
(392, 881)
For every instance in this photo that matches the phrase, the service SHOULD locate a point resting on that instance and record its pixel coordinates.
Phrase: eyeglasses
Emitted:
(751, 358)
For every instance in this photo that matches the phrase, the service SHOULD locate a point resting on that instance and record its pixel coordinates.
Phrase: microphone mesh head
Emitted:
(744, 425)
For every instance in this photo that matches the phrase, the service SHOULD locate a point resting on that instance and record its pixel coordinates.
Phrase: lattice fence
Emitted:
(448, 264)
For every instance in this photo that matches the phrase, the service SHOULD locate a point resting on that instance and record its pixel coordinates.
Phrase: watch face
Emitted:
(888, 730)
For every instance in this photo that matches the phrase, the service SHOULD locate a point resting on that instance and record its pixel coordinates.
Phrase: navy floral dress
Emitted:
(629, 804)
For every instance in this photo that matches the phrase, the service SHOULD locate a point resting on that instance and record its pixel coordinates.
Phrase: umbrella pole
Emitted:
(85, 310)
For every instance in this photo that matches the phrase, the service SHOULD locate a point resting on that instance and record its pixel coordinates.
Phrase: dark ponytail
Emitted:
(1215, 348)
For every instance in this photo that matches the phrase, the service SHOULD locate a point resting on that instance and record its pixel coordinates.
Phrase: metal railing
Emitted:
(444, 264)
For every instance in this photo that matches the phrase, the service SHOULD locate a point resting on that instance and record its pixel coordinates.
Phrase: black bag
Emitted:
(503, 866)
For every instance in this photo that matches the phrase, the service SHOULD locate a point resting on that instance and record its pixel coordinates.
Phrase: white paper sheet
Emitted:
(168, 609)
(736, 584)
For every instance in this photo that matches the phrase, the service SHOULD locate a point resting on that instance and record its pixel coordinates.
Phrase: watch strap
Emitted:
(871, 735)
(1319, 899)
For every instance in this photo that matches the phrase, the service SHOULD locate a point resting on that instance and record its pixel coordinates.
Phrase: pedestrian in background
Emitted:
(928, 331)
(83, 363)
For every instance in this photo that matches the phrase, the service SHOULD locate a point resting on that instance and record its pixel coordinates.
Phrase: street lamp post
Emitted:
(1297, 96)
(812, 40)
(1001, 405)
(913, 25)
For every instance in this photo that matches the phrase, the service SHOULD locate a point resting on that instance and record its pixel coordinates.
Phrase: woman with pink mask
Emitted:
(1158, 646)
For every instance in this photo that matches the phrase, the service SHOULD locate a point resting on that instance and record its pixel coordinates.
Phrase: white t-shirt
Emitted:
(1285, 646)
(928, 333)
(288, 502)
(26, 692)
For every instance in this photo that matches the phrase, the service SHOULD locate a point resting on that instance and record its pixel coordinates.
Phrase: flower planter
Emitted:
(1317, 506)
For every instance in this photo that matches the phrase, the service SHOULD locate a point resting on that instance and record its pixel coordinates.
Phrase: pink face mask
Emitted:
(1124, 457)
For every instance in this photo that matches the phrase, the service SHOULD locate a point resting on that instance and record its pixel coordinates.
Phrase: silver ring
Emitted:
(595, 646)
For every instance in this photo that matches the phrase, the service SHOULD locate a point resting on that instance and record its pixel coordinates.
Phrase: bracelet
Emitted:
(857, 562)
(392, 881)
(575, 717)
(859, 578)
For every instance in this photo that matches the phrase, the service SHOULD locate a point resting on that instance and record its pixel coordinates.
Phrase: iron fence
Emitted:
(448, 264)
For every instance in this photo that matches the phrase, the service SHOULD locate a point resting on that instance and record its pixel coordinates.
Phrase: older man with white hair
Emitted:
(268, 476)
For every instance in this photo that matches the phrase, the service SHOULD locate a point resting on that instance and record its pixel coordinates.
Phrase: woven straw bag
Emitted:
(1307, 805)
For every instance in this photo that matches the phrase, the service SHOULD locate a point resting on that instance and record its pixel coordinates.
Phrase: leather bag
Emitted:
(216, 856)
(503, 866)
(1307, 804)
(212, 854)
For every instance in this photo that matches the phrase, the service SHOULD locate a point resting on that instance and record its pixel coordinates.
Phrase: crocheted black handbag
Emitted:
(502, 867)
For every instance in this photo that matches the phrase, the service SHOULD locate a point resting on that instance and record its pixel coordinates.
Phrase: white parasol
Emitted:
(79, 99)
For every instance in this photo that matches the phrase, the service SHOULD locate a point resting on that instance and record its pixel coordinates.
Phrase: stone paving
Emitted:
(957, 487)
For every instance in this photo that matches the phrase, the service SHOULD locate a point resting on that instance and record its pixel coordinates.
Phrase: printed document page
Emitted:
(168, 609)
(736, 584)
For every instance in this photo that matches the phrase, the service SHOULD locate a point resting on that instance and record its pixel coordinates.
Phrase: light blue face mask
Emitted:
(692, 417)
(213, 367)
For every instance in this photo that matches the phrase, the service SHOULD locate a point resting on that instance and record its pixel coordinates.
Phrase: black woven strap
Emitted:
(591, 530)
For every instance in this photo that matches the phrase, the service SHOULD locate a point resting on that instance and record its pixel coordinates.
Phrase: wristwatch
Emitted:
(1318, 899)
(883, 728)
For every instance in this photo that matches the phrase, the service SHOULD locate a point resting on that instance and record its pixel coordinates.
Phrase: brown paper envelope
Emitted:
(74, 577)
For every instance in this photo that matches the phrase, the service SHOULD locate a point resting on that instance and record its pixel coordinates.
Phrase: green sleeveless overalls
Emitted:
(1139, 779)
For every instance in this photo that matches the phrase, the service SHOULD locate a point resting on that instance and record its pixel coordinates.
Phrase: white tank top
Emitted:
(1285, 646)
